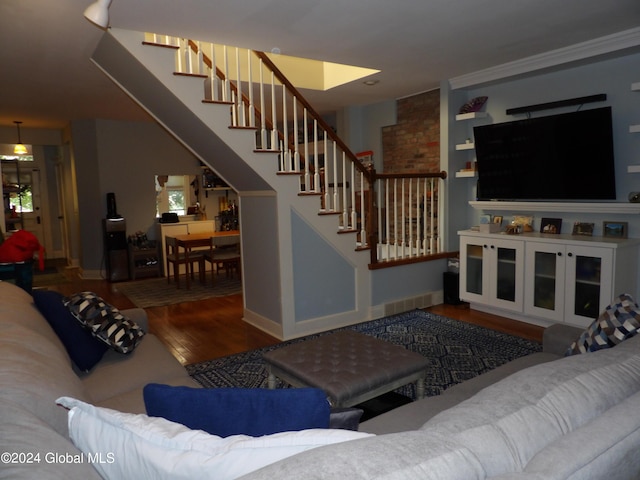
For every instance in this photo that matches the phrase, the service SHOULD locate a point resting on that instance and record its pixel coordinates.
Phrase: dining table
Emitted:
(190, 241)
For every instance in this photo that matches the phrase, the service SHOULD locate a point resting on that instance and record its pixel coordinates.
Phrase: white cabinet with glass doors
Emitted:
(573, 283)
(564, 278)
(491, 271)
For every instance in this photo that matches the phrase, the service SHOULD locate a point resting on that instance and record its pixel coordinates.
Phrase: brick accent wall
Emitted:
(413, 144)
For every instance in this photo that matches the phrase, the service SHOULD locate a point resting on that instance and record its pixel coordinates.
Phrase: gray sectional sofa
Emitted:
(538, 417)
(35, 370)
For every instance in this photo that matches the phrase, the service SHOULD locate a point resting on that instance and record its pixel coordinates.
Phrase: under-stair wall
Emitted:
(299, 275)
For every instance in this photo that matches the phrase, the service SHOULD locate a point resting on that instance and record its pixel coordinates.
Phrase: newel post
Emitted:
(371, 177)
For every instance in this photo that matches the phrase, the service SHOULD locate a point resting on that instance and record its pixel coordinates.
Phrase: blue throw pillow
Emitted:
(239, 411)
(83, 348)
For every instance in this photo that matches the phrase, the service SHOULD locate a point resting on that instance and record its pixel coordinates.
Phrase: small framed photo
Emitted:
(580, 228)
(523, 220)
(615, 229)
(484, 219)
(550, 225)
(497, 219)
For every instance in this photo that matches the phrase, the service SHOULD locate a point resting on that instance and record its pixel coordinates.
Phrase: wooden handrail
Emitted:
(325, 126)
(353, 198)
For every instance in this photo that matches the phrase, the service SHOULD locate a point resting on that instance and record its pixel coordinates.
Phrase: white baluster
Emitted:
(188, 58)
(363, 213)
(227, 82)
(274, 132)
(345, 212)
(335, 191)
(410, 205)
(239, 99)
(316, 162)
(307, 160)
(263, 113)
(296, 154)
(200, 58)
(387, 217)
(179, 53)
(213, 77)
(354, 214)
(431, 226)
(234, 114)
(395, 217)
(418, 219)
(285, 153)
(425, 217)
(403, 224)
(252, 107)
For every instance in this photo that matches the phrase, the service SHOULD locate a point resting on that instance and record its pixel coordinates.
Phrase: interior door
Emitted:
(31, 207)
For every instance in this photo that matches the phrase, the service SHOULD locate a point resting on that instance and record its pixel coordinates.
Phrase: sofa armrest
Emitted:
(139, 316)
(558, 338)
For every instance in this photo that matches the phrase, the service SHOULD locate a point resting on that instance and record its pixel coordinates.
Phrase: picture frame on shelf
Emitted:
(484, 219)
(551, 225)
(615, 229)
(497, 219)
(524, 222)
(583, 228)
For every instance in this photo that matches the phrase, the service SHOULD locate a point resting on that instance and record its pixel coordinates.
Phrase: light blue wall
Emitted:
(389, 284)
(323, 280)
(363, 128)
(261, 273)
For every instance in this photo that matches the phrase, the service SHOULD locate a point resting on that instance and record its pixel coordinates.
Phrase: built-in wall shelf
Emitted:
(465, 173)
(635, 86)
(633, 169)
(587, 207)
(466, 146)
(471, 116)
(634, 128)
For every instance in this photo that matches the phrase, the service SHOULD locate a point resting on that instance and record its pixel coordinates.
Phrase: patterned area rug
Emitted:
(156, 292)
(457, 351)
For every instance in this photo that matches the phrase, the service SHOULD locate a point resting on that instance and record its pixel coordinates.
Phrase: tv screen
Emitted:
(558, 157)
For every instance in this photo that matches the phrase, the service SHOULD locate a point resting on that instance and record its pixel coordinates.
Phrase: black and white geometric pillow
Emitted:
(105, 321)
(618, 322)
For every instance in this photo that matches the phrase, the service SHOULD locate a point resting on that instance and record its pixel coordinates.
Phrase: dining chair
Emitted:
(177, 258)
(225, 255)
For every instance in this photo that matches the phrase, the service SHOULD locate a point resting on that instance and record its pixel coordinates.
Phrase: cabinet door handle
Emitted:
(569, 254)
(485, 246)
(559, 254)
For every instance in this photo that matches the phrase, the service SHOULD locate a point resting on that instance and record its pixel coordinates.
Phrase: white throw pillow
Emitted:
(123, 445)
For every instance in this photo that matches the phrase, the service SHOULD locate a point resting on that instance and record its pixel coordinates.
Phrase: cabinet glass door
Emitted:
(474, 269)
(506, 274)
(587, 285)
(544, 280)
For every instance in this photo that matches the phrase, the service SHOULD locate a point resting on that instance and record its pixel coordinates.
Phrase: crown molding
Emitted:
(580, 51)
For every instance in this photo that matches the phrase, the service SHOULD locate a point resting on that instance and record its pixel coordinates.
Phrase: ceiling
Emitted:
(47, 79)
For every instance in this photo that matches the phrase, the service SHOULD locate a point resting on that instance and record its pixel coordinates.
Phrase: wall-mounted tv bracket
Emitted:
(560, 103)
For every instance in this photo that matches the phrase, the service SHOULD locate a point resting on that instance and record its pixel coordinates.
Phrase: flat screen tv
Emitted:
(565, 157)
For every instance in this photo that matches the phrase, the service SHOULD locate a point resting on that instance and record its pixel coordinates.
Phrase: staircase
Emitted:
(315, 221)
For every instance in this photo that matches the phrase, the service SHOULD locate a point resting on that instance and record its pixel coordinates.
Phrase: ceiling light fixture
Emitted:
(19, 149)
(371, 83)
(98, 13)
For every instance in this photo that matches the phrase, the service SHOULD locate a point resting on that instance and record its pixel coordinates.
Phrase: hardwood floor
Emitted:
(199, 331)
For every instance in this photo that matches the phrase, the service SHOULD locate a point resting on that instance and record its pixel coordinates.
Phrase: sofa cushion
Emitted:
(105, 321)
(239, 411)
(17, 306)
(25, 434)
(34, 373)
(619, 321)
(117, 374)
(146, 447)
(83, 348)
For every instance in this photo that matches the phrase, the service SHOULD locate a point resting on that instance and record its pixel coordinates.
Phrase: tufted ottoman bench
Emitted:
(349, 366)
